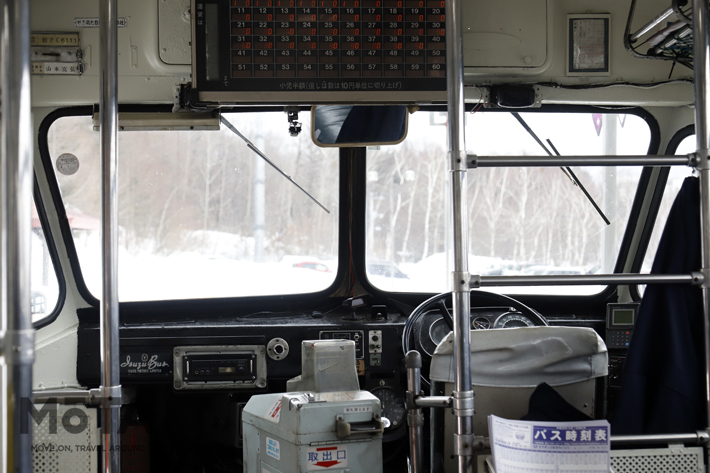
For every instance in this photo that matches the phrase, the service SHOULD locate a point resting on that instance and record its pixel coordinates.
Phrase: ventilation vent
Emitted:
(63, 451)
(658, 460)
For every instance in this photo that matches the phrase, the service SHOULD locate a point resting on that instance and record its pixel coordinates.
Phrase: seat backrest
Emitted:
(507, 365)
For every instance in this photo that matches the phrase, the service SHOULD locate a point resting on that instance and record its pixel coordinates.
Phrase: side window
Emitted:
(45, 286)
(675, 180)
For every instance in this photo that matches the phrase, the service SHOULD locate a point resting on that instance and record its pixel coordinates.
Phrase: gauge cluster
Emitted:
(434, 328)
(393, 405)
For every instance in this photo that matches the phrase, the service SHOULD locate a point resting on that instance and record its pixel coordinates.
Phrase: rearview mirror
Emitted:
(358, 125)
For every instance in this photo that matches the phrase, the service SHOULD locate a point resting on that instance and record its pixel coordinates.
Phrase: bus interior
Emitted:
(204, 200)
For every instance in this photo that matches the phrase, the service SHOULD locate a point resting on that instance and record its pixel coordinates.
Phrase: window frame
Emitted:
(54, 258)
(657, 199)
(561, 302)
(136, 309)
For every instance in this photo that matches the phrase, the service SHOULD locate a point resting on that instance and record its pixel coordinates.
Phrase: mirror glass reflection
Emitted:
(357, 125)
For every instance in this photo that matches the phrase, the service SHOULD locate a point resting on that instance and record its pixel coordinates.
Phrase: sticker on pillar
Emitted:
(67, 164)
(273, 448)
(325, 458)
(274, 412)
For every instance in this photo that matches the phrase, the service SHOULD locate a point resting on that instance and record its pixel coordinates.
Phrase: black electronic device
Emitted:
(357, 336)
(377, 51)
(620, 321)
(219, 367)
(616, 369)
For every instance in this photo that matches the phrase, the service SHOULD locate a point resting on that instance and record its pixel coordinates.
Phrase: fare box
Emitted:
(302, 431)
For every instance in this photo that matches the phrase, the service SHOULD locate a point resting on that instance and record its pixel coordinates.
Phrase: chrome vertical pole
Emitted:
(701, 53)
(463, 395)
(16, 198)
(108, 119)
(415, 417)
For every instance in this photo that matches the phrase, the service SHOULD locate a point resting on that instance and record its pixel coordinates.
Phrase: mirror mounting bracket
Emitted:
(294, 126)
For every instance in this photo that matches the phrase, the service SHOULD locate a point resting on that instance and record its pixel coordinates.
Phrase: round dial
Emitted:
(511, 320)
(393, 406)
(438, 331)
(481, 323)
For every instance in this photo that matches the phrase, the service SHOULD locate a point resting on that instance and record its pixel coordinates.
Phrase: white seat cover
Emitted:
(526, 357)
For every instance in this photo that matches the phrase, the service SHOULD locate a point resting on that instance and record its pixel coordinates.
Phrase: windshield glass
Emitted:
(522, 221)
(200, 214)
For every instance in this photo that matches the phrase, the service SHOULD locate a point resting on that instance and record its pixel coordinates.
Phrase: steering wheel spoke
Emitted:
(445, 313)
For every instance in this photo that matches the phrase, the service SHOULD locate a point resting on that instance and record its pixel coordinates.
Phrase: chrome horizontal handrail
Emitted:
(699, 438)
(434, 401)
(63, 396)
(694, 278)
(473, 161)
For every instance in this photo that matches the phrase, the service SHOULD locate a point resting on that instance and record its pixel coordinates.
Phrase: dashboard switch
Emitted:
(277, 349)
(375, 341)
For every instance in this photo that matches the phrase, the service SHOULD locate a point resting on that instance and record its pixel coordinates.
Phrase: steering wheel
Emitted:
(482, 298)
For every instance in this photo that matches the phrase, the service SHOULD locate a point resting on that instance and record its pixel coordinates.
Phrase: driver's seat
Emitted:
(508, 364)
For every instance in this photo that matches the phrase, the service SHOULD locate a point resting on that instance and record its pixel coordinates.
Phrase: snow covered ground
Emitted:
(225, 271)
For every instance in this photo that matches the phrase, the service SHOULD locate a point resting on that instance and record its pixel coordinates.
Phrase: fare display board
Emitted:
(371, 50)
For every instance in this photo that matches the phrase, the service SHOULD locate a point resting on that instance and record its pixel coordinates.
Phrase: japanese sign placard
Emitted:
(522, 446)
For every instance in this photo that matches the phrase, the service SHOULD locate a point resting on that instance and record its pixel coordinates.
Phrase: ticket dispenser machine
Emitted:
(326, 423)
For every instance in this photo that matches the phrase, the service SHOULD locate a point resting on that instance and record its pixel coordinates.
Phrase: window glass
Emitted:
(522, 221)
(45, 287)
(676, 176)
(200, 214)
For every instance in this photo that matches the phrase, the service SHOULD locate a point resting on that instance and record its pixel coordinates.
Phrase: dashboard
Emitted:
(190, 376)
(434, 327)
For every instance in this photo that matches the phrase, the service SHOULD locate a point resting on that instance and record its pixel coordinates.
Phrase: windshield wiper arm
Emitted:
(581, 187)
(567, 170)
(234, 130)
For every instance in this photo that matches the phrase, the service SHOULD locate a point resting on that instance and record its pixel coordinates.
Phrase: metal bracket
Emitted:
(460, 281)
(699, 278)
(294, 126)
(704, 278)
(105, 396)
(17, 346)
(475, 281)
(177, 92)
(699, 159)
(463, 444)
(411, 400)
(463, 403)
(472, 161)
(458, 162)
(415, 418)
(676, 448)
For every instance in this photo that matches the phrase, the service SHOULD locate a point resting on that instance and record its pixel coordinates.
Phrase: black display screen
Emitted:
(623, 317)
(319, 45)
